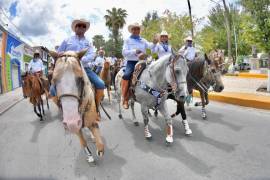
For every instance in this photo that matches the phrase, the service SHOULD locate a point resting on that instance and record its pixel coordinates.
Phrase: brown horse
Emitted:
(33, 87)
(115, 68)
(105, 75)
(218, 58)
(76, 99)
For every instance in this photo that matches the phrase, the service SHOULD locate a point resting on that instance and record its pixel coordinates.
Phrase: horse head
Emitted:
(67, 77)
(212, 75)
(176, 74)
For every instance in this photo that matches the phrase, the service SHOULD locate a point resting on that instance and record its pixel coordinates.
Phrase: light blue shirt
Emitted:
(74, 43)
(35, 66)
(99, 61)
(131, 45)
(161, 51)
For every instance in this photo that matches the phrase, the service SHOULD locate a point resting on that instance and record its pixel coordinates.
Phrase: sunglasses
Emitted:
(81, 25)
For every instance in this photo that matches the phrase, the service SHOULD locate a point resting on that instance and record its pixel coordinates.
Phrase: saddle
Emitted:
(139, 68)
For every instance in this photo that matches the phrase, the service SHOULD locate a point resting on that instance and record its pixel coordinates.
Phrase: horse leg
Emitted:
(169, 128)
(181, 105)
(178, 110)
(40, 112)
(132, 104)
(108, 92)
(83, 143)
(144, 111)
(94, 128)
(203, 105)
(35, 110)
(42, 105)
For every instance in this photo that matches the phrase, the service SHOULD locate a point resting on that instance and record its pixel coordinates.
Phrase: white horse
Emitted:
(151, 90)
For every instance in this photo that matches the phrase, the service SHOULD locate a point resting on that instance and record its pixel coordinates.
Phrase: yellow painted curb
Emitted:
(242, 99)
(248, 75)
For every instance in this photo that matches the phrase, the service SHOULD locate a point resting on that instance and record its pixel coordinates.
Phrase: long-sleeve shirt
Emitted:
(131, 45)
(188, 52)
(161, 51)
(99, 61)
(35, 66)
(74, 43)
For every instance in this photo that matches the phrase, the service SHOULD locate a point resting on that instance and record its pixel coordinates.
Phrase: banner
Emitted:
(14, 61)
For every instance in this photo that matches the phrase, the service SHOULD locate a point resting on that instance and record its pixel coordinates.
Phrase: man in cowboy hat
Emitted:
(163, 47)
(36, 67)
(99, 61)
(79, 42)
(134, 49)
(188, 51)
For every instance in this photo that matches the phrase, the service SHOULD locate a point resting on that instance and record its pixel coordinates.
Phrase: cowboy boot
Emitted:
(125, 88)
(98, 98)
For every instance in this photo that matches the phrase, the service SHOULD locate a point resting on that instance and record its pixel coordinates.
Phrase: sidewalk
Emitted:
(9, 99)
(242, 91)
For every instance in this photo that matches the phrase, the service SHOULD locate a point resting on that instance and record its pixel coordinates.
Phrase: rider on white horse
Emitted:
(163, 47)
(134, 49)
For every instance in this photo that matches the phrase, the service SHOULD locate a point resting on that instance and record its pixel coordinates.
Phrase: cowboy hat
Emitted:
(80, 21)
(164, 33)
(134, 25)
(189, 38)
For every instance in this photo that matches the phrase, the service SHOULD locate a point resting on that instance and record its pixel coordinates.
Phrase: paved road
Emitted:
(232, 144)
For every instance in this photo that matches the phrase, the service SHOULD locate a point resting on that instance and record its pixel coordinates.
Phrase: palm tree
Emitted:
(115, 20)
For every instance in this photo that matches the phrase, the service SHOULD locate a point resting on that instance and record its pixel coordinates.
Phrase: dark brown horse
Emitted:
(105, 75)
(33, 87)
(203, 74)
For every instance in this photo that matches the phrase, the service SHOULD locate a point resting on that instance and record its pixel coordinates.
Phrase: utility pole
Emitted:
(190, 17)
(228, 29)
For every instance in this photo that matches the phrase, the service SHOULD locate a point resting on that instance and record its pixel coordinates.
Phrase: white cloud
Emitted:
(48, 22)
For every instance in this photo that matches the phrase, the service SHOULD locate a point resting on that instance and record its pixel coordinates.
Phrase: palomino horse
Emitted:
(105, 75)
(150, 89)
(33, 88)
(76, 98)
(203, 74)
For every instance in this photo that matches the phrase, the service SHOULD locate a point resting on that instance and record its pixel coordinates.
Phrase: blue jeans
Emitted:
(129, 69)
(98, 69)
(94, 78)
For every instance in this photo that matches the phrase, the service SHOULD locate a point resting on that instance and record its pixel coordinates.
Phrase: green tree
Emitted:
(115, 20)
(98, 41)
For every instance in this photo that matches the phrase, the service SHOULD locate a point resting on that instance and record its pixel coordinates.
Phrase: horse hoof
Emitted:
(100, 153)
(149, 138)
(136, 123)
(41, 119)
(90, 159)
(169, 140)
(204, 117)
(188, 132)
(156, 114)
(120, 116)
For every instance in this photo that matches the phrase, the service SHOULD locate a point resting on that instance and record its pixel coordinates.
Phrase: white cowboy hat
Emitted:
(164, 33)
(189, 38)
(80, 21)
(134, 25)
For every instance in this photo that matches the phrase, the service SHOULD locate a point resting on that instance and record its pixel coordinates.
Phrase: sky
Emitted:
(48, 23)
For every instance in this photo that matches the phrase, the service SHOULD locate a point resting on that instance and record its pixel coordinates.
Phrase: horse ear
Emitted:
(81, 53)
(53, 54)
(207, 59)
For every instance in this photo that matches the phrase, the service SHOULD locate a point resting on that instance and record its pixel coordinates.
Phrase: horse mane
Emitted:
(164, 59)
(196, 68)
(69, 60)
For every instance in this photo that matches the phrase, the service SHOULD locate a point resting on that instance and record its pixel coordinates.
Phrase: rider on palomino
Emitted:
(77, 43)
(163, 47)
(188, 51)
(134, 49)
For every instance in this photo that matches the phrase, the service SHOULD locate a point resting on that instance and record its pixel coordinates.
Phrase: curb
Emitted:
(10, 106)
(241, 99)
(249, 75)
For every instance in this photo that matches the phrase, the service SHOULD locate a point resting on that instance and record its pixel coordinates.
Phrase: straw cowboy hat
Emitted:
(164, 33)
(134, 25)
(189, 38)
(80, 21)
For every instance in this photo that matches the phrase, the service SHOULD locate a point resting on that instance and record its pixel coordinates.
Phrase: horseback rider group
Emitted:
(134, 50)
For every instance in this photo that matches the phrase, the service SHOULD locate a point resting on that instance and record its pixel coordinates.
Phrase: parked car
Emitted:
(243, 67)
